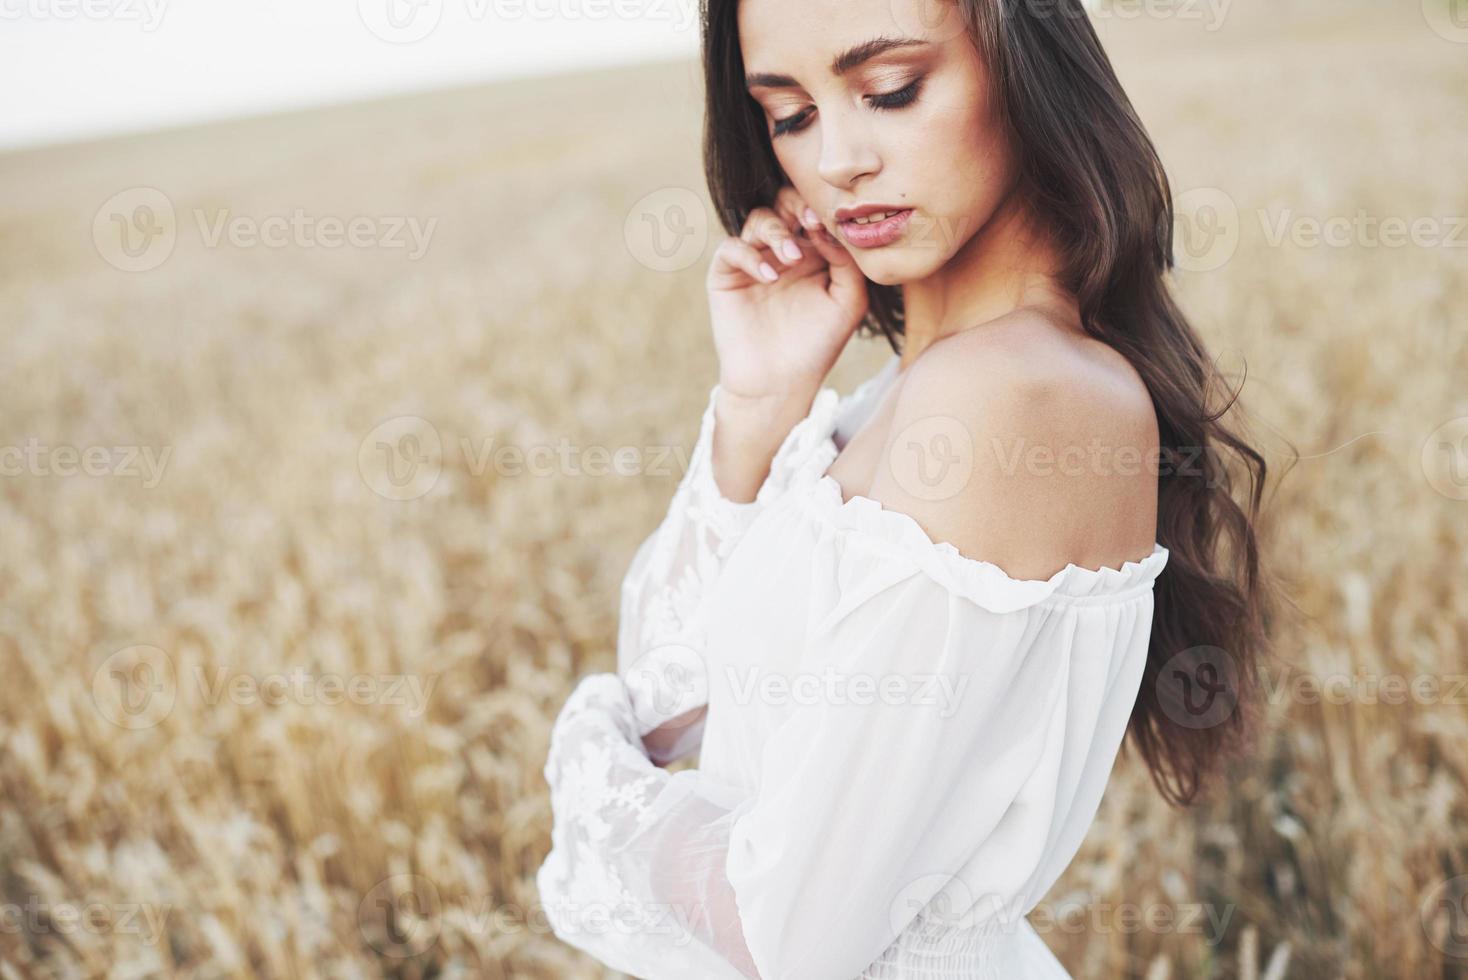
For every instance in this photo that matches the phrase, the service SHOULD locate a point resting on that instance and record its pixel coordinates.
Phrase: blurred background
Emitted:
(349, 350)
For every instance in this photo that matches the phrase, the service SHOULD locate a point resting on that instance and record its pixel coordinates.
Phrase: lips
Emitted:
(865, 211)
(872, 225)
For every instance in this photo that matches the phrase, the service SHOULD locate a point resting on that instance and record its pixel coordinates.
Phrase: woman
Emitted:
(909, 628)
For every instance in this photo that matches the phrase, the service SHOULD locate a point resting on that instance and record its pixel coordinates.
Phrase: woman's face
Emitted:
(908, 125)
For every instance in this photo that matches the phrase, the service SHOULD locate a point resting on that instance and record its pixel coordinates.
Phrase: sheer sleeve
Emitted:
(660, 631)
(937, 773)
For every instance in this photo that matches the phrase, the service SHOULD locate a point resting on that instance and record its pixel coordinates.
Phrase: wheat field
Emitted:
(303, 545)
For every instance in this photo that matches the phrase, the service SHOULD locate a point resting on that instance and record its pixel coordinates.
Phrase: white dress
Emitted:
(903, 747)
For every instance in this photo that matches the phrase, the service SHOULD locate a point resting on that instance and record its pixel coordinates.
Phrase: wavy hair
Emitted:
(1093, 179)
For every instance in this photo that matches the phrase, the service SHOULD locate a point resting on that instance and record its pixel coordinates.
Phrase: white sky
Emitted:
(71, 69)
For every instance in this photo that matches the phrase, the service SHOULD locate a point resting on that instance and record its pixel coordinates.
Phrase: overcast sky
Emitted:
(71, 69)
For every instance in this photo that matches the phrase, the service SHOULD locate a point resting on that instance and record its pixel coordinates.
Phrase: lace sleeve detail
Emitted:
(605, 795)
(660, 633)
(930, 784)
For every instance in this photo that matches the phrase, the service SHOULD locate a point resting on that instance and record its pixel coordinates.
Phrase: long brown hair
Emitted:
(1093, 179)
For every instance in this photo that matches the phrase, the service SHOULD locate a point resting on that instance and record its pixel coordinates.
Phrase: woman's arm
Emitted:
(951, 790)
(660, 639)
(747, 435)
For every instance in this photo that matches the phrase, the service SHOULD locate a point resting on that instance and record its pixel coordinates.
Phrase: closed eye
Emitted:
(904, 96)
(898, 99)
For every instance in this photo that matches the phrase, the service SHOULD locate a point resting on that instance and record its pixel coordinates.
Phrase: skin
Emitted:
(997, 373)
(994, 342)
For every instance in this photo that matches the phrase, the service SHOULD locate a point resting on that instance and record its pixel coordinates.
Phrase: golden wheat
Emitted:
(352, 668)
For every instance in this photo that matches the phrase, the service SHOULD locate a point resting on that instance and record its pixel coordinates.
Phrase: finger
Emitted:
(737, 263)
(765, 226)
(848, 284)
(794, 209)
(830, 249)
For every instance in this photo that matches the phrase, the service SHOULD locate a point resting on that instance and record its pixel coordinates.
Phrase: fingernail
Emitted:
(768, 271)
(811, 218)
(792, 250)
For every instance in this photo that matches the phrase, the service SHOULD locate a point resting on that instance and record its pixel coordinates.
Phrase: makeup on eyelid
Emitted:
(883, 101)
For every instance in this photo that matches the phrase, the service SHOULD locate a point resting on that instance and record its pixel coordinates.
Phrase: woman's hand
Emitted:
(777, 338)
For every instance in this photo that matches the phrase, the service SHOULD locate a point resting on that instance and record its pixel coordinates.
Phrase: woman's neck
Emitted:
(1005, 266)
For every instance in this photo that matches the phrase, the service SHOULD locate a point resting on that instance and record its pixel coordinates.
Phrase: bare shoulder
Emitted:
(1025, 446)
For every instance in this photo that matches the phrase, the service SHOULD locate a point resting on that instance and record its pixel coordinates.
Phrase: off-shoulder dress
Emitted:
(901, 750)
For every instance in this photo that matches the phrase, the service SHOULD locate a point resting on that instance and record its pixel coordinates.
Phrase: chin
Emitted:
(892, 268)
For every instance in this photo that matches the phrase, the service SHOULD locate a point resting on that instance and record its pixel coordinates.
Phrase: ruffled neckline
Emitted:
(983, 582)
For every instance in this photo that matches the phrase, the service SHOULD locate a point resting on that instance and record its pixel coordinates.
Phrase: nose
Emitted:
(847, 150)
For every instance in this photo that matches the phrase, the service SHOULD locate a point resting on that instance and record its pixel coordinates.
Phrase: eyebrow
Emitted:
(843, 63)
